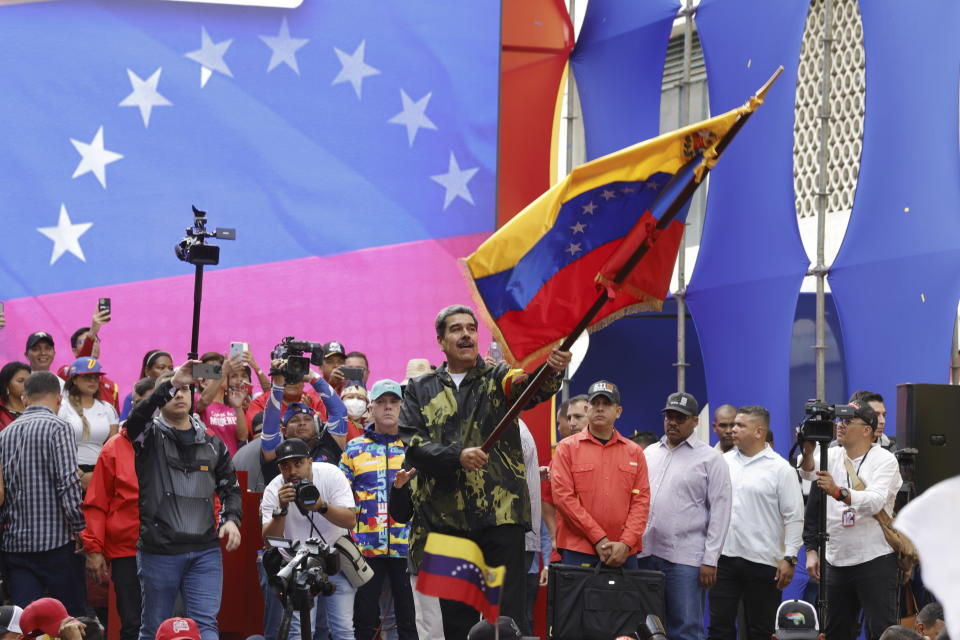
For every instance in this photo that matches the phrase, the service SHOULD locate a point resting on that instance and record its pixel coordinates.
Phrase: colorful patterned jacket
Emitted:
(437, 422)
(370, 463)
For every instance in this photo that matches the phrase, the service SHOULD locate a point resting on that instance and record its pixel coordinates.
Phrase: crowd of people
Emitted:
(142, 491)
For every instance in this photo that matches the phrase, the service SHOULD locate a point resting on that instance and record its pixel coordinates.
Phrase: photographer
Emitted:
(328, 518)
(863, 569)
(180, 468)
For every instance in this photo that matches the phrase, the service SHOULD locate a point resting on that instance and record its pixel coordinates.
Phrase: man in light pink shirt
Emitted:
(690, 500)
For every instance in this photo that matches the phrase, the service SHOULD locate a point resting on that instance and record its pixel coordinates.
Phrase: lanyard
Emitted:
(859, 466)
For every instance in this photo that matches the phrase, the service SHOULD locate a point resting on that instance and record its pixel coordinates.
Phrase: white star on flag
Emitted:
(145, 95)
(608, 194)
(353, 69)
(65, 236)
(413, 116)
(573, 249)
(652, 184)
(210, 56)
(455, 182)
(578, 228)
(94, 158)
(284, 48)
(589, 208)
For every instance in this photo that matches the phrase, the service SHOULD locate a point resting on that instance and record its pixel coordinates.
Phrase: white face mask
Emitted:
(355, 407)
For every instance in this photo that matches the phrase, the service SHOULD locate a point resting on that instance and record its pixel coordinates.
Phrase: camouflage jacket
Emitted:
(438, 421)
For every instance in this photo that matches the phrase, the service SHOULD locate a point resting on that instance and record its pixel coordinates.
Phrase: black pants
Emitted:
(58, 573)
(871, 586)
(501, 546)
(751, 583)
(532, 587)
(366, 604)
(126, 585)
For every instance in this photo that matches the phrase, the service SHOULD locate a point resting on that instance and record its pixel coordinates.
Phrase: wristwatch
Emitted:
(843, 494)
(323, 507)
(279, 512)
(791, 559)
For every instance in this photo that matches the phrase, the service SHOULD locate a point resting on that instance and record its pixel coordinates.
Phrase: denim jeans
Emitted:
(198, 574)
(272, 610)
(339, 608)
(57, 572)
(684, 598)
(578, 558)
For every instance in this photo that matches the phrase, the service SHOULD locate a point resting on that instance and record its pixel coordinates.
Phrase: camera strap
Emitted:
(313, 527)
(856, 474)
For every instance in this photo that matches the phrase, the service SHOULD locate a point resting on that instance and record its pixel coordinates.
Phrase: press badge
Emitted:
(848, 518)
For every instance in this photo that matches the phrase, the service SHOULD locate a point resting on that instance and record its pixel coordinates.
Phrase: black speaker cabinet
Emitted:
(928, 420)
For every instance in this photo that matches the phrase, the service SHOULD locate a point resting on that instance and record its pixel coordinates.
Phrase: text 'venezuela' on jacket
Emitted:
(178, 481)
(438, 421)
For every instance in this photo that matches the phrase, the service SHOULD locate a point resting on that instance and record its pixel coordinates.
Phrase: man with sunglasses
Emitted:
(863, 570)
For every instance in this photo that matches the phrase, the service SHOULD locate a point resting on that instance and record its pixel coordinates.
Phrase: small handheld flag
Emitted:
(453, 568)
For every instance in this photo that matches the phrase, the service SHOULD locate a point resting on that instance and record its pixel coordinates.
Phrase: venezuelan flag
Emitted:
(453, 568)
(535, 278)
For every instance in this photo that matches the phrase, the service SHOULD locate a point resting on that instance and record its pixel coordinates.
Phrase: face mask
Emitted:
(355, 407)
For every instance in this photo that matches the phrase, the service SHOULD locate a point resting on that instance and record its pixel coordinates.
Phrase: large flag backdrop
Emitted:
(352, 146)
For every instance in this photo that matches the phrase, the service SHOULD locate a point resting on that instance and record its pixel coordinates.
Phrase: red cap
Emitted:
(43, 616)
(178, 629)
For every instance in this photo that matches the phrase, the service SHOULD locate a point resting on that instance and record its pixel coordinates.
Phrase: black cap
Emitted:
(682, 402)
(333, 348)
(484, 630)
(10, 619)
(39, 336)
(605, 389)
(866, 413)
(292, 448)
(796, 620)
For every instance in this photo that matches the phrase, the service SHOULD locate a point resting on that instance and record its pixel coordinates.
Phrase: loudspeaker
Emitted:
(927, 420)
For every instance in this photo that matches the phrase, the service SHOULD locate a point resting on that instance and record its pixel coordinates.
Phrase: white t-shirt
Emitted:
(101, 416)
(334, 489)
(458, 378)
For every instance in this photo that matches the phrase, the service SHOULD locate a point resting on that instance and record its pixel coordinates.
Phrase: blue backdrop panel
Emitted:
(896, 279)
(637, 354)
(803, 370)
(743, 293)
(618, 65)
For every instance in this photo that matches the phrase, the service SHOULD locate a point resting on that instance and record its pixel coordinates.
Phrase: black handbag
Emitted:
(599, 603)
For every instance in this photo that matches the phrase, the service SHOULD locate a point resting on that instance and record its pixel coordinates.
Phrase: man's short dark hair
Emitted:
(865, 397)
(758, 412)
(358, 354)
(41, 383)
(75, 336)
(900, 632)
(92, 629)
(930, 614)
(645, 438)
(143, 385)
(441, 322)
(562, 410)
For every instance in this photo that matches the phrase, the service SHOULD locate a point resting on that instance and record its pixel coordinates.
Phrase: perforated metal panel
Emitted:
(847, 94)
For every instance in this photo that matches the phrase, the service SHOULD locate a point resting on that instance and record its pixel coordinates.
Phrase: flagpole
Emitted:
(678, 202)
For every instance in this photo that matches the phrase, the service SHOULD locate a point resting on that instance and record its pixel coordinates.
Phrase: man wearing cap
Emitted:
(860, 480)
(766, 521)
(334, 357)
(40, 352)
(328, 518)
(797, 620)
(44, 616)
(690, 501)
(180, 468)
(371, 463)
(179, 629)
(10, 622)
(599, 482)
(41, 500)
(460, 489)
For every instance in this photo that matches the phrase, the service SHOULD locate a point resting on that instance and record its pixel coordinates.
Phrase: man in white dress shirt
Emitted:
(766, 521)
(862, 572)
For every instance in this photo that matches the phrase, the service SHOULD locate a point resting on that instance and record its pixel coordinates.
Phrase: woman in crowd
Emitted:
(354, 397)
(155, 364)
(93, 420)
(11, 391)
(221, 402)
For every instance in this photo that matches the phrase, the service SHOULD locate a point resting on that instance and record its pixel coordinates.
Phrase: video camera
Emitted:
(193, 249)
(295, 365)
(819, 423)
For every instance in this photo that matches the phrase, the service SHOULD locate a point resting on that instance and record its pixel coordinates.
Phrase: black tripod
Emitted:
(303, 602)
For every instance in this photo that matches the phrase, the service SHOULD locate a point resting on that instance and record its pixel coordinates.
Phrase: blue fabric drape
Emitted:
(896, 279)
(618, 65)
(744, 289)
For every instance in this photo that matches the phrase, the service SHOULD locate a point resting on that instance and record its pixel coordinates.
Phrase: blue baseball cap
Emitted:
(386, 385)
(85, 365)
(296, 408)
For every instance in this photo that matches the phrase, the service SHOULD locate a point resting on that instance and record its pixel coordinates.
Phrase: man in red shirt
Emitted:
(600, 487)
